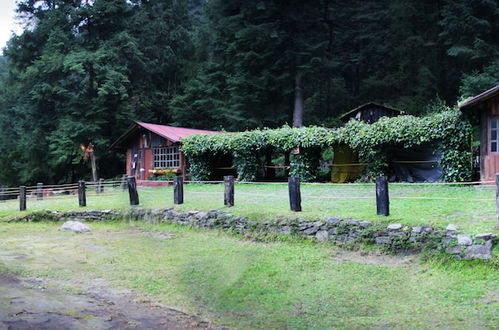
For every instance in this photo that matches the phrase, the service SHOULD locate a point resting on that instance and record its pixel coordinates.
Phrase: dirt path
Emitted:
(35, 304)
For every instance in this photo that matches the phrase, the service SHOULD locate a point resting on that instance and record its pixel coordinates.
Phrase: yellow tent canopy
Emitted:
(346, 166)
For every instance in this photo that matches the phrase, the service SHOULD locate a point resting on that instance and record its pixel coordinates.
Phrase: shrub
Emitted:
(446, 129)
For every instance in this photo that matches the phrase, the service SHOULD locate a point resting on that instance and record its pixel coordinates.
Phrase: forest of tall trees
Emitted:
(83, 70)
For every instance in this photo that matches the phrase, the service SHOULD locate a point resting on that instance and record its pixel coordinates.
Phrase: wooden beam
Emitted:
(22, 198)
(294, 194)
(229, 190)
(132, 191)
(39, 191)
(82, 194)
(178, 190)
(124, 184)
(382, 198)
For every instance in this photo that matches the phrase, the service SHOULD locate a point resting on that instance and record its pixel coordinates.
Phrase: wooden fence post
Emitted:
(124, 185)
(229, 190)
(39, 191)
(497, 200)
(2, 193)
(100, 186)
(132, 190)
(382, 197)
(22, 198)
(178, 190)
(294, 194)
(82, 193)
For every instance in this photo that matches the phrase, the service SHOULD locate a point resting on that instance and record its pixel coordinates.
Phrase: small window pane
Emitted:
(493, 147)
(493, 136)
(493, 123)
(166, 157)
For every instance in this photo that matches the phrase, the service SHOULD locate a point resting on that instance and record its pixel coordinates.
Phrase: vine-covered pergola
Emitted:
(447, 130)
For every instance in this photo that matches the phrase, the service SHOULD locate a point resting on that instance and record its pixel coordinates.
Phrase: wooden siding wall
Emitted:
(484, 141)
(128, 162)
(489, 162)
(371, 114)
(158, 141)
(144, 142)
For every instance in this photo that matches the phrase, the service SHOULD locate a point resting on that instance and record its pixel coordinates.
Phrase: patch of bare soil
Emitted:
(36, 304)
(375, 258)
(158, 234)
(490, 298)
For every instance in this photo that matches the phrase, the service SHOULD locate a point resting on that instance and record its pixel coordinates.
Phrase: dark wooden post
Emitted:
(132, 190)
(100, 186)
(82, 193)
(497, 200)
(22, 198)
(39, 191)
(294, 194)
(382, 198)
(229, 190)
(124, 185)
(178, 190)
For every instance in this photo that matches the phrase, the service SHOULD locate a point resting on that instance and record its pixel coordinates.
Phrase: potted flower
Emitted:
(163, 174)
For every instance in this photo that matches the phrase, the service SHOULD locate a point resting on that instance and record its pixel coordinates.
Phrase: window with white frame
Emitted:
(494, 123)
(166, 157)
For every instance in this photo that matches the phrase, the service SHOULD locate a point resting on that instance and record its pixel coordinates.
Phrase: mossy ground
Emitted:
(245, 284)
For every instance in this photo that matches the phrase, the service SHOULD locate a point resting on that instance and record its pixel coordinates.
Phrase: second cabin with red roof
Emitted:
(153, 151)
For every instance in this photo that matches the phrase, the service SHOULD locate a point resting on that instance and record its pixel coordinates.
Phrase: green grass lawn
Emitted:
(266, 285)
(471, 208)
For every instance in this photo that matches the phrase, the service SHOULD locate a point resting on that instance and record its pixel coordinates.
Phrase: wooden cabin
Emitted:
(346, 166)
(370, 113)
(486, 106)
(150, 147)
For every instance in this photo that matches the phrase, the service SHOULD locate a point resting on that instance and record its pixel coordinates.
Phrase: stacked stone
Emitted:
(394, 236)
(89, 215)
(464, 246)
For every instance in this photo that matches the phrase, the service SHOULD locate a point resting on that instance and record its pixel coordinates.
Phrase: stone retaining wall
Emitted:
(395, 237)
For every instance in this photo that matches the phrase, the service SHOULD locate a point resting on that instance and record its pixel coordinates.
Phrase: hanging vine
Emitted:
(447, 129)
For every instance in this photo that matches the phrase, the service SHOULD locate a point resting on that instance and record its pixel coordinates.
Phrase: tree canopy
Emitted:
(83, 70)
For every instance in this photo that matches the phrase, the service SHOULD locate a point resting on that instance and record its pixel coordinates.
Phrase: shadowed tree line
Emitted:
(83, 70)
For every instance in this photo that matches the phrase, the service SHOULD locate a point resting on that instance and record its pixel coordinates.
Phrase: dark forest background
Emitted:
(83, 70)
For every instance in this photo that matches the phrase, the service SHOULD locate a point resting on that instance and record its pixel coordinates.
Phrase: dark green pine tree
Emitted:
(470, 32)
(82, 72)
(257, 53)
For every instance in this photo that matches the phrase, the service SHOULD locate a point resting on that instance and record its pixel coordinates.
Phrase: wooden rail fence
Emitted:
(130, 184)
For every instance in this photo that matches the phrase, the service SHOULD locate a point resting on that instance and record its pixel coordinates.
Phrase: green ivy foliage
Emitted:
(200, 166)
(306, 164)
(446, 129)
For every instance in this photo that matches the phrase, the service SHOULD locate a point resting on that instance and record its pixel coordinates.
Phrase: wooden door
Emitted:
(490, 143)
(140, 165)
(134, 163)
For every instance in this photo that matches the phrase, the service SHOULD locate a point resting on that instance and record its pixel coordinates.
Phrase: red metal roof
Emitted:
(173, 133)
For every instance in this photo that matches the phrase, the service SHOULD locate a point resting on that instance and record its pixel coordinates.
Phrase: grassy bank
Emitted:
(471, 208)
(248, 284)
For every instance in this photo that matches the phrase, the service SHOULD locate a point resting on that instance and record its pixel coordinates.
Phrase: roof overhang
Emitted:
(482, 97)
(120, 143)
(360, 107)
(171, 133)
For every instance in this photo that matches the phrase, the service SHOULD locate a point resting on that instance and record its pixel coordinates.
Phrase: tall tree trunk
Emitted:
(92, 92)
(298, 109)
